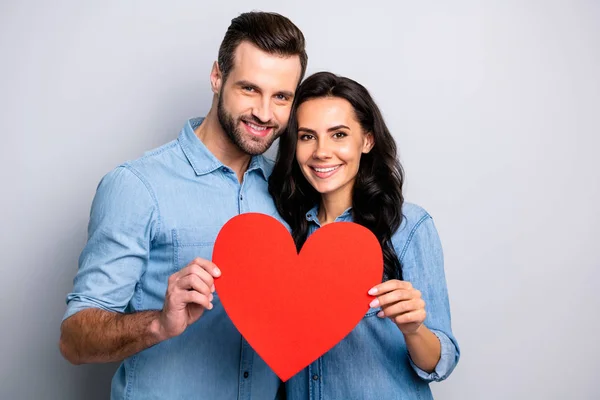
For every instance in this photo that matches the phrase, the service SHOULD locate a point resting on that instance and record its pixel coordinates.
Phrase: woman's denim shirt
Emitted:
(372, 362)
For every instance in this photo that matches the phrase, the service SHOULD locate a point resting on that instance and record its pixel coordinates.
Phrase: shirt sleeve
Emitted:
(123, 220)
(423, 266)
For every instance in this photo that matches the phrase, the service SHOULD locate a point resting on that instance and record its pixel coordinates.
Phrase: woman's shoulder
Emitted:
(412, 215)
(416, 222)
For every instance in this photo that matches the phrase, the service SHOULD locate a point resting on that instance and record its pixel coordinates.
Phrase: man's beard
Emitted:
(252, 145)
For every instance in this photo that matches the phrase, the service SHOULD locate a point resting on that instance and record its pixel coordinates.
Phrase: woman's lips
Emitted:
(324, 172)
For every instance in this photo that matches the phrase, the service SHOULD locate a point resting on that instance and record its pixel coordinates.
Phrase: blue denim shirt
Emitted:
(372, 362)
(149, 218)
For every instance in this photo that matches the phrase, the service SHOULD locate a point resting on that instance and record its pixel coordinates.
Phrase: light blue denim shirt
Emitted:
(372, 362)
(149, 218)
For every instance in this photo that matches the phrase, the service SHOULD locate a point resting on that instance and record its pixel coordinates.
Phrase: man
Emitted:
(144, 292)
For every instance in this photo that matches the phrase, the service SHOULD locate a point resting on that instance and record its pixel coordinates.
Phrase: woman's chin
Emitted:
(324, 191)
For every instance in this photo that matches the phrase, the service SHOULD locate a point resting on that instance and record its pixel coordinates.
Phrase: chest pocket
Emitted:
(191, 243)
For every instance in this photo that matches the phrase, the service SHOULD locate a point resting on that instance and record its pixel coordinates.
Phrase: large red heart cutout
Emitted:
(292, 308)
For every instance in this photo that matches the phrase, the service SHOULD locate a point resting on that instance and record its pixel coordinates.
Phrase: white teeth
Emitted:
(256, 127)
(326, 169)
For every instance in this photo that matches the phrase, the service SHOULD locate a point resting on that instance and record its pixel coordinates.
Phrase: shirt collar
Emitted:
(203, 161)
(263, 164)
(311, 215)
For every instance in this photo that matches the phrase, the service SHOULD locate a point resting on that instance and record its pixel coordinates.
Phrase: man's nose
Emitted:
(263, 110)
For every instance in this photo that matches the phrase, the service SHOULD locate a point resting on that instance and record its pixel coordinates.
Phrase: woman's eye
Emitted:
(306, 137)
(339, 135)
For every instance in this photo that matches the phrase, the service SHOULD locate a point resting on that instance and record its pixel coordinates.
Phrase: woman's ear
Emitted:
(216, 79)
(369, 143)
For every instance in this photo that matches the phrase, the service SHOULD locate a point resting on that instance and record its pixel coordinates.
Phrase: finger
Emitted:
(208, 266)
(194, 266)
(394, 297)
(388, 286)
(403, 307)
(417, 316)
(193, 282)
(191, 296)
(202, 274)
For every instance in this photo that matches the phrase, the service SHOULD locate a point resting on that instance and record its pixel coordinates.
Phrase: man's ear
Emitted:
(369, 143)
(216, 78)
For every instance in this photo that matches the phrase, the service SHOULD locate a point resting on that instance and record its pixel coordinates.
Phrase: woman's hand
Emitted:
(401, 303)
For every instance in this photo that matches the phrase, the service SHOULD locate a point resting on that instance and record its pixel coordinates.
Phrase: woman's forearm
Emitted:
(424, 348)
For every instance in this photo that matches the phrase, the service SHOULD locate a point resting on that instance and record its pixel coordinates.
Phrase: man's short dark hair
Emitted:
(271, 32)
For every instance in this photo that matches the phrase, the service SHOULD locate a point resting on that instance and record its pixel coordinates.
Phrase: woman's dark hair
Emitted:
(377, 197)
(271, 32)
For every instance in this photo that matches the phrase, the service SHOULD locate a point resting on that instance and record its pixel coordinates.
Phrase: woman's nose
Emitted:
(322, 151)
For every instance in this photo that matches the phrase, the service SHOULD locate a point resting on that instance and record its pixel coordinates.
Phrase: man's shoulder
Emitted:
(154, 158)
(147, 169)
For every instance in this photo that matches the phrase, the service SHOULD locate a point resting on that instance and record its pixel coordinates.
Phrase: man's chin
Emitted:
(255, 151)
(255, 147)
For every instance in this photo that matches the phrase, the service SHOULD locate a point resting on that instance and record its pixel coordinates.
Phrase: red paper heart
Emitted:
(292, 308)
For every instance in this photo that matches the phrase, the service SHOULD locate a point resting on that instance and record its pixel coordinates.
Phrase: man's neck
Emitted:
(212, 135)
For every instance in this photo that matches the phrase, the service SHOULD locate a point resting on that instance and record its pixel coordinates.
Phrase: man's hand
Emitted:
(96, 335)
(189, 293)
(401, 303)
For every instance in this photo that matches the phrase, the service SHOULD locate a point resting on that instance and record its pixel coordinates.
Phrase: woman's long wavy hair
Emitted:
(377, 195)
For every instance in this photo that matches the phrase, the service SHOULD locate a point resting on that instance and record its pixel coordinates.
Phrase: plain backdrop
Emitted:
(495, 106)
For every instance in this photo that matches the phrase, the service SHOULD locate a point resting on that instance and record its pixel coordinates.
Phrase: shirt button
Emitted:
(315, 377)
(224, 169)
(241, 197)
(246, 374)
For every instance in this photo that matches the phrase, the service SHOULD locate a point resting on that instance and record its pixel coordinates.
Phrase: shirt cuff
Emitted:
(76, 304)
(446, 363)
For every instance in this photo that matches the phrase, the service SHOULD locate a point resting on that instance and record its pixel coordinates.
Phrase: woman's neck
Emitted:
(333, 205)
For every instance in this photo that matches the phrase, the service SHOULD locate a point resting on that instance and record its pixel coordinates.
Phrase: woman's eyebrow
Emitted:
(333, 128)
(337, 127)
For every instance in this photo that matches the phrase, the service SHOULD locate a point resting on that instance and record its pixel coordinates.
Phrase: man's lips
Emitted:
(256, 129)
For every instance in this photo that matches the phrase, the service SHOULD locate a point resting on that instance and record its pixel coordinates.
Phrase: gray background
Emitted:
(495, 106)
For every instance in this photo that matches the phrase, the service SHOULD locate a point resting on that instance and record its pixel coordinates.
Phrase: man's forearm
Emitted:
(97, 336)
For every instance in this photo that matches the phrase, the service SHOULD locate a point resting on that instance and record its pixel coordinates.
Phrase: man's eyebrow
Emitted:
(286, 93)
(246, 83)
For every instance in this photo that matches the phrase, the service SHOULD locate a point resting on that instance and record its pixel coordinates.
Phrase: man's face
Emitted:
(256, 98)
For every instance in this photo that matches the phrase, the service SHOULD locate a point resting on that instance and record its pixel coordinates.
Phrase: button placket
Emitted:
(315, 378)
(245, 382)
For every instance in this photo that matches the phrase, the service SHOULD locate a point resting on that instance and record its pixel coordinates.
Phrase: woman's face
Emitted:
(329, 145)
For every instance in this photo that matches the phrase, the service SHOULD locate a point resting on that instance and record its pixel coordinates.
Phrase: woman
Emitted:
(338, 162)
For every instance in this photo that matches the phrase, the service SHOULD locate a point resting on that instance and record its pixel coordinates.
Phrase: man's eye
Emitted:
(248, 88)
(281, 97)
